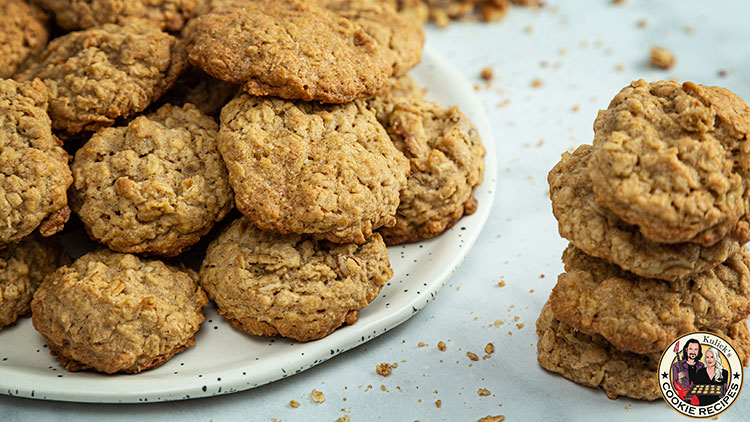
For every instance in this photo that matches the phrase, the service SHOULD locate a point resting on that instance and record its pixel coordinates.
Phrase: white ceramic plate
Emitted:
(225, 360)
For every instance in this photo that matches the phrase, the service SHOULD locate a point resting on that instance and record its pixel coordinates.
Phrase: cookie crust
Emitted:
(288, 48)
(111, 71)
(305, 168)
(674, 159)
(600, 233)
(34, 172)
(644, 315)
(113, 312)
(447, 164)
(154, 186)
(294, 286)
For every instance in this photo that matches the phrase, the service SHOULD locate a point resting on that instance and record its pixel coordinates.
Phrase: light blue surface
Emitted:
(575, 48)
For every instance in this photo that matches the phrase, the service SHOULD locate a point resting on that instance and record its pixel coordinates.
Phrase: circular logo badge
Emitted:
(700, 375)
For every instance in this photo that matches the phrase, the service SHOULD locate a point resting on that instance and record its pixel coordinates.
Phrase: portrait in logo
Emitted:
(700, 375)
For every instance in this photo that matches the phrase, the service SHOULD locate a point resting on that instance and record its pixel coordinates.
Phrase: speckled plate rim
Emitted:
(225, 360)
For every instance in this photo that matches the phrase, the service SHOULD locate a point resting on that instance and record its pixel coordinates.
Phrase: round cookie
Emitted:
(307, 168)
(645, 315)
(71, 15)
(600, 233)
(447, 164)
(35, 174)
(400, 39)
(288, 48)
(114, 312)
(24, 34)
(674, 159)
(294, 286)
(100, 74)
(591, 361)
(206, 93)
(23, 265)
(154, 186)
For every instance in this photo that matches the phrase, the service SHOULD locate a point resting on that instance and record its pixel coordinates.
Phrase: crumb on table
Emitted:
(661, 58)
(317, 396)
(384, 369)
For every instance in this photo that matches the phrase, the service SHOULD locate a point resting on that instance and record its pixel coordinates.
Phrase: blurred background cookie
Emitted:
(24, 34)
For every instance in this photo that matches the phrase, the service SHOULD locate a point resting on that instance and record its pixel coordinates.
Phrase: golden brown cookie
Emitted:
(114, 312)
(288, 48)
(600, 233)
(35, 174)
(400, 38)
(674, 160)
(206, 93)
(154, 186)
(447, 164)
(294, 286)
(169, 15)
(644, 315)
(23, 265)
(100, 74)
(306, 168)
(24, 34)
(591, 361)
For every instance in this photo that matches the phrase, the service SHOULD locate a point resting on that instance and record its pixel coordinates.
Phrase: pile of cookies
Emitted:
(324, 144)
(656, 212)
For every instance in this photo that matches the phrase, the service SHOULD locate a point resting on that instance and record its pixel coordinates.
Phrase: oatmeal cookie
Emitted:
(307, 168)
(24, 34)
(23, 265)
(71, 15)
(600, 233)
(399, 89)
(591, 361)
(34, 172)
(114, 312)
(206, 93)
(675, 161)
(288, 48)
(294, 286)
(447, 164)
(154, 186)
(400, 38)
(107, 72)
(644, 315)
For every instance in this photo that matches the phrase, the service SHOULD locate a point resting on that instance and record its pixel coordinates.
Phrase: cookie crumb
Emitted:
(520, 325)
(723, 73)
(642, 23)
(487, 74)
(488, 418)
(619, 67)
(441, 346)
(689, 30)
(489, 348)
(438, 404)
(384, 369)
(536, 83)
(382, 388)
(344, 418)
(501, 283)
(422, 344)
(294, 404)
(317, 396)
(472, 356)
(483, 392)
(661, 58)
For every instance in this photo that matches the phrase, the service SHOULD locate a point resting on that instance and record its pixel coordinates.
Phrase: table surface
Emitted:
(554, 68)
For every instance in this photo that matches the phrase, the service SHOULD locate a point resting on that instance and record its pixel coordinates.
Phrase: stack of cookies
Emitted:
(656, 212)
(324, 144)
